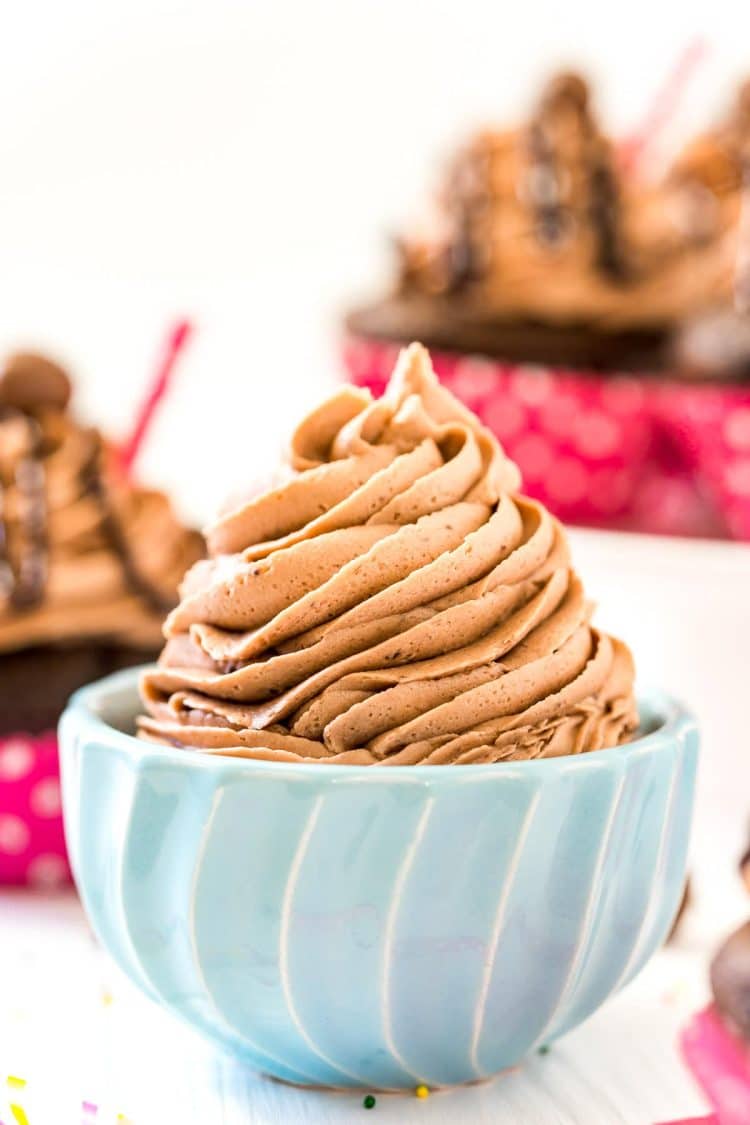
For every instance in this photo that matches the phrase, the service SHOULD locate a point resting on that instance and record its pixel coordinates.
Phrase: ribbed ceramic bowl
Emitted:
(354, 926)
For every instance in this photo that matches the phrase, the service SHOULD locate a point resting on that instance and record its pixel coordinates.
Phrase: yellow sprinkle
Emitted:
(19, 1115)
(422, 1092)
(16, 1083)
(106, 999)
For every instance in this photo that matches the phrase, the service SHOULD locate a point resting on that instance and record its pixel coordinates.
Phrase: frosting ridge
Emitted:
(392, 601)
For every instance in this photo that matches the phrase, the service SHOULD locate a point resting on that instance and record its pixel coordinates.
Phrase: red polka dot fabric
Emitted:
(32, 843)
(654, 455)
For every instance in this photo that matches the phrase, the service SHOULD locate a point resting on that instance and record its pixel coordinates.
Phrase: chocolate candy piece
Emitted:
(567, 87)
(31, 382)
(730, 981)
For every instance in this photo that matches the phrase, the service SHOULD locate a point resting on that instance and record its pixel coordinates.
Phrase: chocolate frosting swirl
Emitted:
(84, 554)
(391, 601)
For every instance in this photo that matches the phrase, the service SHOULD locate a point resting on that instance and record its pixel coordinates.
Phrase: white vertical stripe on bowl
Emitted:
(497, 928)
(654, 900)
(389, 938)
(286, 919)
(229, 1029)
(597, 887)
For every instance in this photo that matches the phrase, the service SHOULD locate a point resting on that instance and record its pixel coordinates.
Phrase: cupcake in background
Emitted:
(554, 285)
(89, 564)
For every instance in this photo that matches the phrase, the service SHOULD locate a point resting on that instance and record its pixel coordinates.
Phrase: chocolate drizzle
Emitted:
(742, 265)
(604, 213)
(545, 186)
(467, 201)
(24, 587)
(462, 265)
(95, 486)
(7, 577)
(30, 482)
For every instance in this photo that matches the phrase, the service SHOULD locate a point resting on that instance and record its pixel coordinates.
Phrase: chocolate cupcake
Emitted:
(557, 289)
(89, 564)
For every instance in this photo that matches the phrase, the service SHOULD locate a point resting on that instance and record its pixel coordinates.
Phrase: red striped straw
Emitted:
(635, 148)
(176, 340)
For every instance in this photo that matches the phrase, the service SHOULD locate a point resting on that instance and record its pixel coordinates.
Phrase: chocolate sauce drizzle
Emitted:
(95, 486)
(468, 200)
(462, 265)
(25, 587)
(742, 265)
(543, 182)
(544, 189)
(604, 212)
(7, 577)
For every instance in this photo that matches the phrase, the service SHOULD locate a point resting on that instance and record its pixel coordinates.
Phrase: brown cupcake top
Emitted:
(543, 224)
(84, 553)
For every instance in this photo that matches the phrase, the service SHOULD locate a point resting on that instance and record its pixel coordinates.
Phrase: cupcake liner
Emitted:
(32, 842)
(622, 451)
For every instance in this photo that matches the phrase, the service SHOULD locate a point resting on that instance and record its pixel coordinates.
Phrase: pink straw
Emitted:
(664, 105)
(158, 387)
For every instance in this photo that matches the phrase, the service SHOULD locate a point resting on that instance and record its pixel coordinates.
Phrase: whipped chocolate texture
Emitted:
(392, 601)
(84, 554)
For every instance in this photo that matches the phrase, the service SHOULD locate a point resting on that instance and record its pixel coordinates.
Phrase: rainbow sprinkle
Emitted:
(422, 1092)
(15, 1083)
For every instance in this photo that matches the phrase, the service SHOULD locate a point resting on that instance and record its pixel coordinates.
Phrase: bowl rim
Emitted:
(673, 723)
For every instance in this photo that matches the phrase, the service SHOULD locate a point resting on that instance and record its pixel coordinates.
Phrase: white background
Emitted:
(244, 162)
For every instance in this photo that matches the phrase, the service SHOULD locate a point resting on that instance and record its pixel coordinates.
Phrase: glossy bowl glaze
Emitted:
(380, 928)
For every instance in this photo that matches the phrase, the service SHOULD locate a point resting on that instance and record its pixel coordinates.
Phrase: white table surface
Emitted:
(75, 1030)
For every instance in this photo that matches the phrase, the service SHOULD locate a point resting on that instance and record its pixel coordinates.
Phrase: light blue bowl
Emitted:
(382, 928)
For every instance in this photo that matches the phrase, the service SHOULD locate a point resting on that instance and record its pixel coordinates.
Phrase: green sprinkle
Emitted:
(544, 1050)
(369, 1102)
